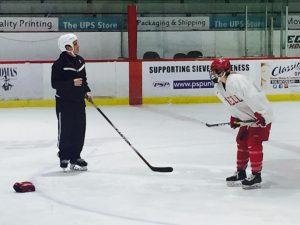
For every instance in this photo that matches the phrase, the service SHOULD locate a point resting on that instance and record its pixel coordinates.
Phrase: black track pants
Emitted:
(71, 129)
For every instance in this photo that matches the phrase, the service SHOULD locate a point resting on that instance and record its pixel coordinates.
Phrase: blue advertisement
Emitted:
(105, 23)
(238, 21)
(118, 23)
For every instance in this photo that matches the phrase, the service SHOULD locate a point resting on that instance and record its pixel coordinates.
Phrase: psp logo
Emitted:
(161, 84)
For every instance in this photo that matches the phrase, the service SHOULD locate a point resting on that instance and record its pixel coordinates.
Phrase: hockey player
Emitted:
(245, 102)
(69, 79)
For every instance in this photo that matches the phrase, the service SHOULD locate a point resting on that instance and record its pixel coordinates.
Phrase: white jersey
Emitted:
(243, 98)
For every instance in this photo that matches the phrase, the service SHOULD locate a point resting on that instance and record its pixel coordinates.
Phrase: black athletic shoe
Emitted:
(64, 164)
(236, 179)
(252, 182)
(79, 164)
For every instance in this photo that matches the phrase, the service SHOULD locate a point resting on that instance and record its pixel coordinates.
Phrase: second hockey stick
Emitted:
(227, 123)
(153, 168)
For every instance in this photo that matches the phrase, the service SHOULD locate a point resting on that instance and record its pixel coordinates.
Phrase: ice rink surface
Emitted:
(119, 189)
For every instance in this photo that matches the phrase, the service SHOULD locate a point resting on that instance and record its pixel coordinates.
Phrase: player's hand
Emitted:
(89, 97)
(260, 120)
(234, 122)
(77, 82)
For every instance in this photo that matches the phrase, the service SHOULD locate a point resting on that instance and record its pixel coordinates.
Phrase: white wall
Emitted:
(106, 79)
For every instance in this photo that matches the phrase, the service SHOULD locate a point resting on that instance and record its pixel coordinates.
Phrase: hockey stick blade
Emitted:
(162, 169)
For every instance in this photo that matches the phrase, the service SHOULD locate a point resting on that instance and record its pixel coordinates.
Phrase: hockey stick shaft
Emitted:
(227, 123)
(153, 168)
(216, 124)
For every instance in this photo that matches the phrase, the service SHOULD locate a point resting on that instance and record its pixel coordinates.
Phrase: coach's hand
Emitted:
(77, 82)
(89, 97)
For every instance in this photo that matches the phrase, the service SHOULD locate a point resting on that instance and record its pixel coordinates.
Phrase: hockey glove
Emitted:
(260, 120)
(234, 122)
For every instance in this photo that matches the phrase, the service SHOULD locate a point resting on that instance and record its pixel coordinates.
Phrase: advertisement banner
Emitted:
(280, 76)
(238, 21)
(105, 23)
(184, 78)
(293, 43)
(294, 21)
(173, 23)
(35, 24)
(21, 81)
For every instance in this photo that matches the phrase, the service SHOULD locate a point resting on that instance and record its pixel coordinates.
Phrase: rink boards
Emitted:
(167, 81)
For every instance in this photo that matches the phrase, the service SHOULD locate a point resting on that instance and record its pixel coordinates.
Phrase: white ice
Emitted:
(119, 189)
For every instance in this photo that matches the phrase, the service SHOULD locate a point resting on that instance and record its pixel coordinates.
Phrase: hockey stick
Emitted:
(227, 123)
(153, 168)
(216, 124)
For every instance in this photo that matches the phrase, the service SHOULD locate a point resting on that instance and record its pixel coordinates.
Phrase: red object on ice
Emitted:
(22, 187)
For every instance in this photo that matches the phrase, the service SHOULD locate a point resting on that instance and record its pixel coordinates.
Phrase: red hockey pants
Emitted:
(249, 146)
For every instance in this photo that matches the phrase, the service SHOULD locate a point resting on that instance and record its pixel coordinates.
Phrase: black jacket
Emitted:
(64, 70)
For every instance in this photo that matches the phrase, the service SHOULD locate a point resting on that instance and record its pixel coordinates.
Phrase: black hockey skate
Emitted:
(79, 165)
(252, 182)
(236, 179)
(64, 164)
